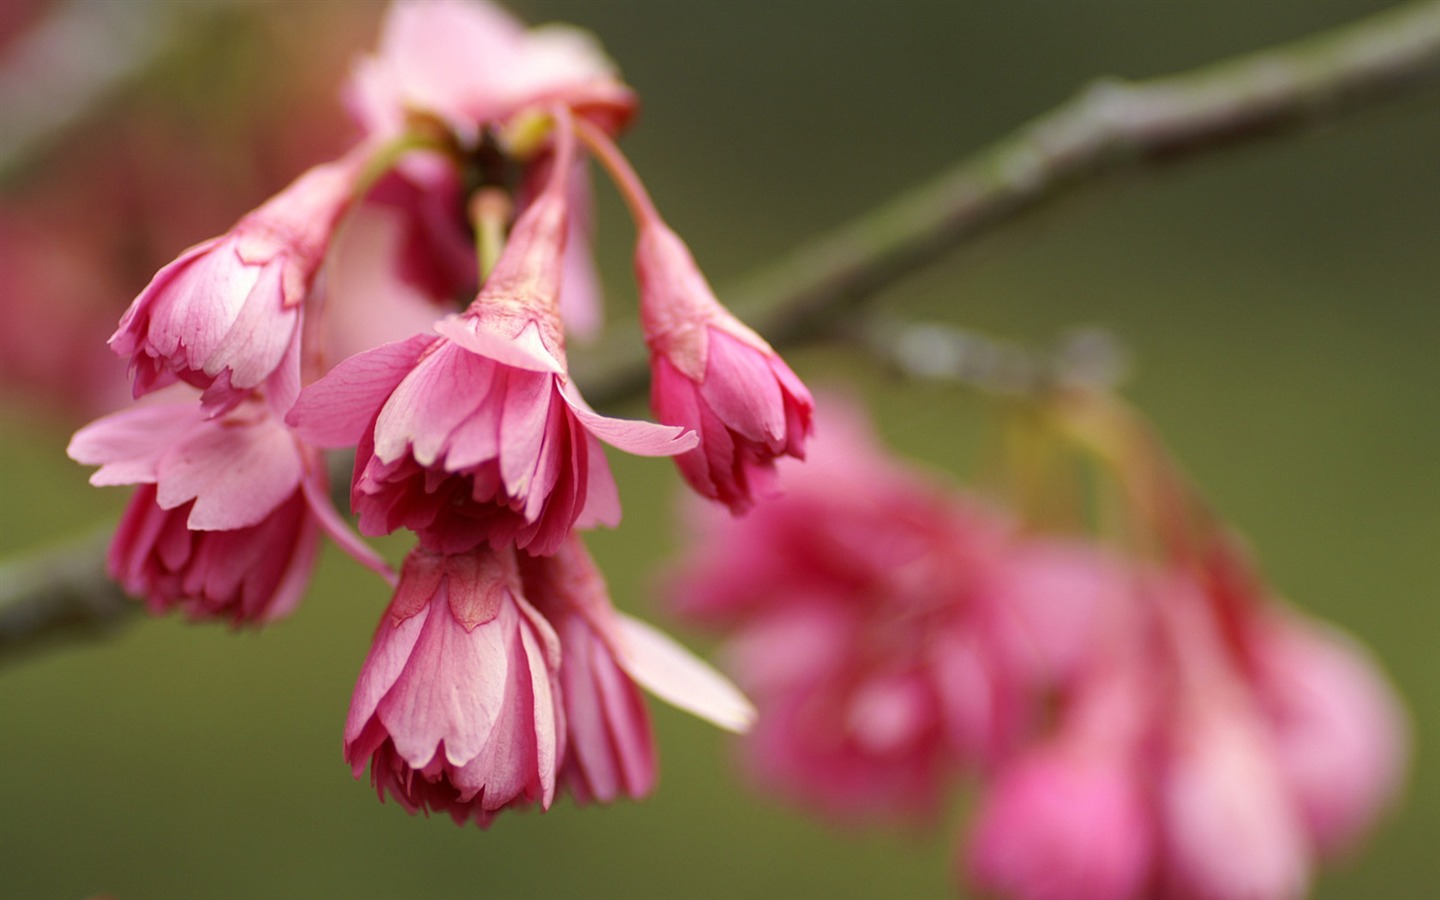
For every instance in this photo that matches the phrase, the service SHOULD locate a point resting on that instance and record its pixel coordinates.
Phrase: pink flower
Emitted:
(457, 705)
(716, 377)
(892, 633)
(1230, 827)
(1064, 823)
(479, 435)
(225, 315)
(853, 738)
(227, 518)
(1340, 736)
(1231, 830)
(611, 748)
(471, 63)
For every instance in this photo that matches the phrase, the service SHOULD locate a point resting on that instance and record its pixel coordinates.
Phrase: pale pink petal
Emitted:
(256, 341)
(639, 438)
(128, 445)
(318, 498)
(437, 395)
(675, 675)
(336, 410)
(602, 497)
(458, 705)
(236, 475)
(393, 646)
(523, 351)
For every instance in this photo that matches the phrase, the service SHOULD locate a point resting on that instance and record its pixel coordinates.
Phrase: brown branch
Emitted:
(1111, 128)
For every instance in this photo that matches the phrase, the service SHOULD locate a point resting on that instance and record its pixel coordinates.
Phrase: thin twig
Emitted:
(1111, 128)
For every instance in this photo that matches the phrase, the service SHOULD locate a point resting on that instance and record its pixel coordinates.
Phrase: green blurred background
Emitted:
(1280, 302)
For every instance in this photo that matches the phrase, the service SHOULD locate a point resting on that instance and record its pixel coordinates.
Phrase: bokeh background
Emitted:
(1280, 302)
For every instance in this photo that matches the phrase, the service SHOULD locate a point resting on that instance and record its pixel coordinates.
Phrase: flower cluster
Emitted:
(1139, 729)
(441, 262)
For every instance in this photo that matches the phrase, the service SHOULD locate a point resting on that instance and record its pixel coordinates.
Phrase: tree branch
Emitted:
(1111, 128)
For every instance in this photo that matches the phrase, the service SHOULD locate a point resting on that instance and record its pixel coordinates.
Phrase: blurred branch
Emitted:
(1112, 128)
(64, 67)
(60, 591)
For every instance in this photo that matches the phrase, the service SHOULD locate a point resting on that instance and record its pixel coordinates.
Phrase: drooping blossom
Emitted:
(457, 706)
(713, 375)
(227, 518)
(709, 372)
(225, 315)
(478, 435)
(497, 678)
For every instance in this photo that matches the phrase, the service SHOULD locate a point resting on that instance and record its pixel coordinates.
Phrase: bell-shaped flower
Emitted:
(225, 315)
(716, 377)
(457, 707)
(479, 435)
(226, 521)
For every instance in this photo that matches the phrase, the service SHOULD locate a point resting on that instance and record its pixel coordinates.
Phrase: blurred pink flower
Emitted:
(225, 315)
(457, 705)
(1064, 823)
(228, 515)
(1339, 734)
(470, 63)
(892, 633)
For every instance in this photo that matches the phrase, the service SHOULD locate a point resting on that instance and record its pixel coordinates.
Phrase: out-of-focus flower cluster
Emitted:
(1138, 728)
(411, 299)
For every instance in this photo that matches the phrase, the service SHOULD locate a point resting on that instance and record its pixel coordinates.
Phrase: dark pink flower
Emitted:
(479, 435)
(716, 377)
(457, 705)
(227, 518)
(225, 315)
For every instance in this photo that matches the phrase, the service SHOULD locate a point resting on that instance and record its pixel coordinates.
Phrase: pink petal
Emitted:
(602, 497)
(336, 410)
(639, 438)
(524, 351)
(236, 475)
(441, 391)
(318, 498)
(742, 390)
(128, 445)
(675, 675)
(256, 341)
